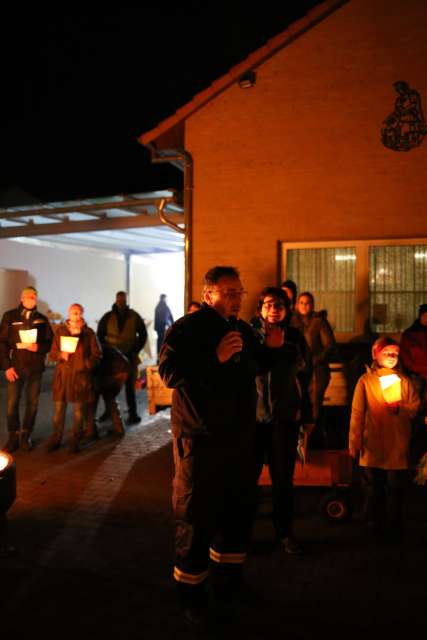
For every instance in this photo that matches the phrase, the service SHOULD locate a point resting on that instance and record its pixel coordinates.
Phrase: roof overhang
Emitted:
(123, 223)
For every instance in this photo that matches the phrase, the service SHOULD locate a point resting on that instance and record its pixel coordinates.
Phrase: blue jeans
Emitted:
(32, 385)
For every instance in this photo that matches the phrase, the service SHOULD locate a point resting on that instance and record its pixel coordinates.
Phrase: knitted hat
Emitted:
(381, 344)
(422, 309)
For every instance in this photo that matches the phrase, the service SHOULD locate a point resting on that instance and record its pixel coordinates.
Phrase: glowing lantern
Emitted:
(69, 344)
(391, 388)
(7, 482)
(27, 336)
(7, 498)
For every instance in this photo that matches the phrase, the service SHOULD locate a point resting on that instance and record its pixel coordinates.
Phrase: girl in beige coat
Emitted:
(384, 403)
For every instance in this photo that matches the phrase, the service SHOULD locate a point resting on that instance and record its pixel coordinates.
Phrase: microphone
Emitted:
(233, 322)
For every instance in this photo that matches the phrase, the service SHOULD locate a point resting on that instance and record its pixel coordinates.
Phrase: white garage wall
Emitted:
(67, 274)
(151, 275)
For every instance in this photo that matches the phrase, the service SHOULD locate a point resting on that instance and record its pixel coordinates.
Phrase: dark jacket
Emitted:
(413, 349)
(318, 335)
(25, 362)
(210, 397)
(283, 391)
(112, 372)
(73, 380)
(163, 317)
(125, 330)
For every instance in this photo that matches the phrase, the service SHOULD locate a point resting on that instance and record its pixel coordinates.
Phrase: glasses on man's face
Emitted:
(279, 306)
(389, 354)
(231, 294)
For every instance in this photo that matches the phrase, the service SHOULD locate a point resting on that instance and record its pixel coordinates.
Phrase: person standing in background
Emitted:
(76, 351)
(163, 319)
(123, 328)
(25, 339)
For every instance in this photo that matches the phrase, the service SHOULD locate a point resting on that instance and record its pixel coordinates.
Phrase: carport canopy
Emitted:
(129, 224)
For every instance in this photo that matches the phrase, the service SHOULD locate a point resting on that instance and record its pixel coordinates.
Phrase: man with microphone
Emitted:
(210, 358)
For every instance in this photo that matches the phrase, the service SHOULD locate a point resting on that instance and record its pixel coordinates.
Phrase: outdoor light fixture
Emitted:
(7, 494)
(247, 80)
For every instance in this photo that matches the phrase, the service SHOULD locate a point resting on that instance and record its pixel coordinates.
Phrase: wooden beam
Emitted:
(82, 208)
(83, 226)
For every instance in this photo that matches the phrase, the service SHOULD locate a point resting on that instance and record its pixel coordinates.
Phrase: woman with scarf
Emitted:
(283, 406)
(76, 351)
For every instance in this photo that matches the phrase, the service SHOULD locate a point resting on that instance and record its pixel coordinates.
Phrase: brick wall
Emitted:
(298, 157)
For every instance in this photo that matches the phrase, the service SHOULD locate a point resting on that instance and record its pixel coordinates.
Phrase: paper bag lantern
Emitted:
(69, 344)
(28, 336)
(391, 388)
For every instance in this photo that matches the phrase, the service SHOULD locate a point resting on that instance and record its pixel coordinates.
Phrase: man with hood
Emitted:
(123, 328)
(25, 339)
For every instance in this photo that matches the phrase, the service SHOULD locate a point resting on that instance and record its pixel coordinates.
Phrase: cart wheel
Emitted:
(335, 507)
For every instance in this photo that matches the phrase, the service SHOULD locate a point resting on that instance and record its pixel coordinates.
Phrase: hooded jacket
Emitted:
(382, 437)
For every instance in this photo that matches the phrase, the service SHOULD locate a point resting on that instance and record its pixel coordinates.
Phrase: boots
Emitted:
(116, 419)
(53, 443)
(194, 602)
(74, 445)
(26, 442)
(12, 443)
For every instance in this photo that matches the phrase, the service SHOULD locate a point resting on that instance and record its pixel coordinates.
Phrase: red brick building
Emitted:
(308, 161)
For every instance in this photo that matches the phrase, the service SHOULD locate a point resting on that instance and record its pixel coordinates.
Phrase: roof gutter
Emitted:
(182, 159)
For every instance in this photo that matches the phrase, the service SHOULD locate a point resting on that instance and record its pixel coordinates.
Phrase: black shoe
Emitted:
(53, 444)
(133, 419)
(26, 443)
(196, 617)
(117, 433)
(74, 446)
(291, 546)
(104, 417)
(12, 443)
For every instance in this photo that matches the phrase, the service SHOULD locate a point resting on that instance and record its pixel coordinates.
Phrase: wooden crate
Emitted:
(158, 394)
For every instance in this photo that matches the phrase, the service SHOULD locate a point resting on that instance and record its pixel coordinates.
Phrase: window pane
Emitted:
(397, 284)
(329, 274)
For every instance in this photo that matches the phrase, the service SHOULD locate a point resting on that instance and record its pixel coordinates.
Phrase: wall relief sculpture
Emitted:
(405, 128)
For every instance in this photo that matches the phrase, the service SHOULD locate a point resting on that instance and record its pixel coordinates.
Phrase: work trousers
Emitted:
(384, 496)
(59, 419)
(214, 504)
(31, 384)
(276, 445)
(130, 385)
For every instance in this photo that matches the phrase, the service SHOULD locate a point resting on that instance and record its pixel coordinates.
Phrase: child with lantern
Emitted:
(384, 403)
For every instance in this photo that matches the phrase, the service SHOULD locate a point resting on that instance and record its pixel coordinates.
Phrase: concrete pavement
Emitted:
(94, 536)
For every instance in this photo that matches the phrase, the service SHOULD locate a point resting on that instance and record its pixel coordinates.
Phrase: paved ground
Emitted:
(94, 534)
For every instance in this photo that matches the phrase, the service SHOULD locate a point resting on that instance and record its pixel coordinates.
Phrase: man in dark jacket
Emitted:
(124, 329)
(25, 339)
(211, 358)
(163, 319)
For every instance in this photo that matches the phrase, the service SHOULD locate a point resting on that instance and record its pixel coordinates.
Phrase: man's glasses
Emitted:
(230, 294)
